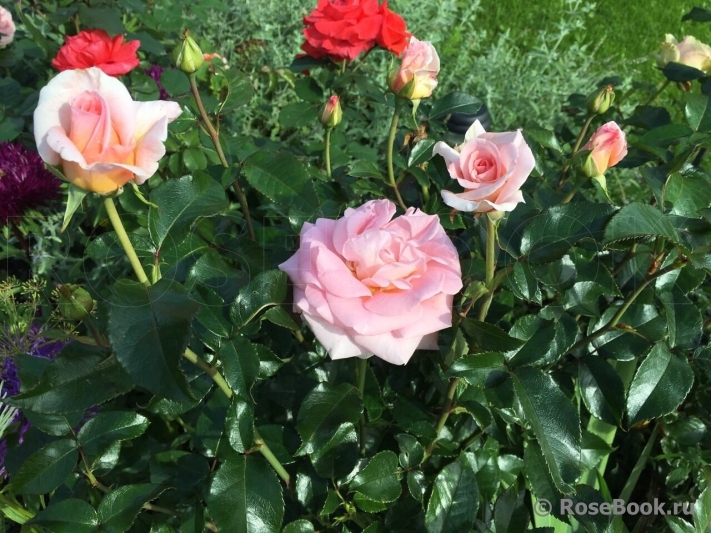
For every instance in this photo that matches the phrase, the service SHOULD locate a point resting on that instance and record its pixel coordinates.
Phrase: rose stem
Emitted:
(215, 136)
(361, 371)
(327, 152)
(578, 142)
(189, 354)
(391, 141)
(658, 92)
(490, 270)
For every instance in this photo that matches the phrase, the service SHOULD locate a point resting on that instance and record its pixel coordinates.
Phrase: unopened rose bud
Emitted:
(332, 113)
(601, 100)
(584, 163)
(417, 76)
(188, 56)
(74, 302)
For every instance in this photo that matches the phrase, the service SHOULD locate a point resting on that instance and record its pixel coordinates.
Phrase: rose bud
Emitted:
(600, 101)
(417, 76)
(188, 56)
(608, 146)
(332, 113)
(74, 302)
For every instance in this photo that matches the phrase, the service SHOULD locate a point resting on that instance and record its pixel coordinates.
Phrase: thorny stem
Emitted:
(215, 136)
(399, 103)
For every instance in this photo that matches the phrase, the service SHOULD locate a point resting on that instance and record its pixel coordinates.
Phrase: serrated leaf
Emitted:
(455, 102)
(510, 513)
(75, 197)
(639, 220)
(239, 425)
(474, 369)
(149, 329)
(523, 283)
(555, 423)
(182, 201)
(660, 385)
(299, 526)
(109, 427)
(323, 411)
(681, 73)
(283, 179)
(702, 512)
(678, 525)
(277, 315)
(211, 314)
(688, 192)
(67, 516)
(119, 508)
(684, 321)
(601, 388)
(47, 468)
(241, 365)
(454, 503)
(421, 152)
(378, 480)
(545, 138)
(245, 496)
(489, 337)
(265, 290)
(698, 112)
(699, 14)
(365, 169)
(239, 89)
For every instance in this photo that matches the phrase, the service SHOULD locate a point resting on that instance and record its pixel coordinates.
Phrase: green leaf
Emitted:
(104, 18)
(109, 427)
(107, 246)
(265, 290)
(555, 423)
(417, 485)
(510, 513)
(241, 363)
(67, 516)
(74, 199)
(245, 496)
(81, 377)
(149, 329)
(239, 89)
(277, 315)
(474, 369)
(678, 525)
(680, 72)
(698, 14)
(454, 503)
(455, 102)
(698, 112)
(683, 319)
(523, 283)
(365, 169)
(549, 236)
(601, 388)
(660, 385)
(688, 192)
(545, 341)
(211, 314)
(47, 468)
(309, 90)
(411, 451)
(182, 201)
(194, 159)
(702, 512)
(378, 481)
(545, 138)
(421, 152)
(283, 179)
(298, 114)
(119, 508)
(489, 337)
(639, 220)
(299, 526)
(239, 425)
(323, 411)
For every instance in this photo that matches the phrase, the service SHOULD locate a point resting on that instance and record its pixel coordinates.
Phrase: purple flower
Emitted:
(154, 72)
(32, 343)
(25, 183)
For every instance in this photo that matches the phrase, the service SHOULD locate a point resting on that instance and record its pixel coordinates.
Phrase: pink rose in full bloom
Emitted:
(608, 147)
(7, 27)
(491, 167)
(369, 285)
(690, 52)
(417, 76)
(87, 121)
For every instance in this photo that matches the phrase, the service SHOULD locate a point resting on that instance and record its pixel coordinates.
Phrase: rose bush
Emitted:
(88, 122)
(7, 27)
(491, 167)
(416, 77)
(369, 285)
(608, 146)
(95, 48)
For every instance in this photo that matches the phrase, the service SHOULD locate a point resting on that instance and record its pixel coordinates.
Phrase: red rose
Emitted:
(393, 35)
(342, 29)
(94, 48)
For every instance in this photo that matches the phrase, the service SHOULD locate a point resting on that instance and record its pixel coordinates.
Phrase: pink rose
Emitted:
(608, 145)
(7, 27)
(369, 285)
(417, 76)
(689, 52)
(87, 121)
(491, 167)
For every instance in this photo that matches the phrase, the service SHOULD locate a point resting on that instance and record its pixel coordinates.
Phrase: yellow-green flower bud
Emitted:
(332, 113)
(188, 56)
(584, 163)
(601, 100)
(74, 302)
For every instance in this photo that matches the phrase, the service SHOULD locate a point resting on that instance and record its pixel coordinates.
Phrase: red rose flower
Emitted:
(393, 34)
(95, 48)
(342, 29)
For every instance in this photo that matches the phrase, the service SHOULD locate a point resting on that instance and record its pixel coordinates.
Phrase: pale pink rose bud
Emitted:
(490, 167)
(689, 52)
(7, 27)
(608, 146)
(417, 76)
(332, 113)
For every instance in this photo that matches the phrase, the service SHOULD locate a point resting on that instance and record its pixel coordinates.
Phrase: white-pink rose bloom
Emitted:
(88, 122)
(690, 52)
(7, 27)
(491, 167)
(368, 285)
(417, 76)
